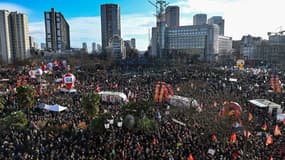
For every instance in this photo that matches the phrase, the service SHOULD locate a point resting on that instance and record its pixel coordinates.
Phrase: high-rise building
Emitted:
(117, 48)
(133, 43)
(218, 20)
(5, 46)
(14, 41)
(200, 19)
(57, 31)
(43, 46)
(32, 42)
(172, 16)
(93, 47)
(84, 47)
(99, 48)
(20, 36)
(110, 23)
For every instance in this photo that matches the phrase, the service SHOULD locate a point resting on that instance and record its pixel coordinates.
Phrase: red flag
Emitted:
(98, 88)
(264, 127)
(284, 121)
(277, 131)
(269, 140)
(271, 158)
(155, 140)
(250, 117)
(233, 138)
(190, 157)
(235, 155)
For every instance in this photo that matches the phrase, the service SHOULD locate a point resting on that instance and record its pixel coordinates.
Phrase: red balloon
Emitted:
(232, 108)
(68, 80)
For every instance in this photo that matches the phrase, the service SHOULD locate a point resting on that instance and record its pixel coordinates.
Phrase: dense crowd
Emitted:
(171, 141)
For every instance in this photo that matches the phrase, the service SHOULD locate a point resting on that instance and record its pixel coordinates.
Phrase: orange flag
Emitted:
(155, 140)
(250, 117)
(190, 157)
(264, 127)
(233, 138)
(269, 140)
(277, 131)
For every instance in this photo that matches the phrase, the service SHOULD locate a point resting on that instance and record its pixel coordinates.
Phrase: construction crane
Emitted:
(280, 32)
(160, 6)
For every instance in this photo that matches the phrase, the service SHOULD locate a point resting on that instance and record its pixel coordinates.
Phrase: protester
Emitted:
(57, 135)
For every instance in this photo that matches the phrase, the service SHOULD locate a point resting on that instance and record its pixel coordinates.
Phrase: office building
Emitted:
(99, 48)
(116, 48)
(218, 20)
(201, 40)
(43, 46)
(110, 23)
(93, 47)
(84, 47)
(225, 48)
(225, 44)
(14, 38)
(255, 50)
(5, 46)
(32, 42)
(200, 19)
(172, 16)
(57, 31)
(133, 43)
(127, 44)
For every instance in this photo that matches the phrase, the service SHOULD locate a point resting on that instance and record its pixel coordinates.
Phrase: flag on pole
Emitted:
(269, 140)
(250, 117)
(190, 157)
(214, 138)
(233, 138)
(155, 140)
(264, 126)
(277, 131)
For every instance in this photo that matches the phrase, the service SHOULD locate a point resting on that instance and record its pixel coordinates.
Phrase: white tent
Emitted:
(183, 102)
(65, 90)
(55, 108)
(280, 117)
(113, 97)
(4, 80)
(264, 103)
(42, 106)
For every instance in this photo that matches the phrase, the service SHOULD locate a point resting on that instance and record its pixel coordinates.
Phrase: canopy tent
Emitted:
(4, 80)
(108, 96)
(65, 90)
(59, 80)
(233, 80)
(55, 108)
(184, 102)
(42, 106)
(264, 103)
(280, 117)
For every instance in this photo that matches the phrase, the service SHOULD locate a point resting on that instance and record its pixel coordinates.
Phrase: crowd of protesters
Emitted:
(45, 137)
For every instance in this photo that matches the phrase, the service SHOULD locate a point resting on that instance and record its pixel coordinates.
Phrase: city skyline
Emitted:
(242, 17)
